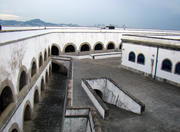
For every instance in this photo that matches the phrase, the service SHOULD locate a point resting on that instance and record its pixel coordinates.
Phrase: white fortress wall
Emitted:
(174, 57)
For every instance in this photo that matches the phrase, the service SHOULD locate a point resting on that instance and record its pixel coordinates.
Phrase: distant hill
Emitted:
(33, 22)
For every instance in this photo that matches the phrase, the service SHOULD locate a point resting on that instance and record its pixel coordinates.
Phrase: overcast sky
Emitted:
(161, 14)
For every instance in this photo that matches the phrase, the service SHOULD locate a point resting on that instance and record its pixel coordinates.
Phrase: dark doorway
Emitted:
(36, 97)
(40, 61)
(27, 113)
(110, 46)
(14, 130)
(23, 80)
(70, 48)
(54, 50)
(98, 47)
(45, 55)
(33, 69)
(6, 98)
(46, 77)
(99, 93)
(42, 85)
(85, 47)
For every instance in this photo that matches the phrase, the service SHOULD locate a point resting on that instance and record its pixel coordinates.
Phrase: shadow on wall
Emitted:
(59, 68)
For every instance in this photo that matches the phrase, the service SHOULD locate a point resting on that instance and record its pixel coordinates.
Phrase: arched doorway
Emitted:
(36, 97)
(54, 50)
(110, 46)
(132, 56)
(166, 65)
(23, 80)
(42, 85)
(27, 117)
(85, 47)
(40, 60)
(46, 77)
(99, 93)
(6, 98)
(45, 55)
(33, 69)
(98, 46)
(141, 59)
(69, 49)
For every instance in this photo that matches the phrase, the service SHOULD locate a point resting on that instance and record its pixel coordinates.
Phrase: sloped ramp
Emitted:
(101, 90)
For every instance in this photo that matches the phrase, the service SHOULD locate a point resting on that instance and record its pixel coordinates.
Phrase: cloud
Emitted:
(9, 17)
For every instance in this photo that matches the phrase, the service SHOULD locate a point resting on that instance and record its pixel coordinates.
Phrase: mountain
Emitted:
(33, 22)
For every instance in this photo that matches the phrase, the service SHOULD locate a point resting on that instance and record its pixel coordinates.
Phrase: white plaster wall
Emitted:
(149, 53)
(114, 95)
(18, 115)
(93, 99)
(172, 55)
(21, 53)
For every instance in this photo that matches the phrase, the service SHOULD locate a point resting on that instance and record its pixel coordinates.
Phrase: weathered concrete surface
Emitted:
(48, 114)
(162, 100)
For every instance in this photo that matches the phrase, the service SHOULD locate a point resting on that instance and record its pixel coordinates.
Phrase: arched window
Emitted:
(177, 68)
(85, 47)
(42, 85)
(23, 80)
(48, 51)
(132, 56)
(36, 97)
(70, 48)
(45, 55)
(98, 46)
(27, 117)
(110, 46)
(141, 59)
(6, 98)
(166, 65)
(40, 61)
(33, 69)
(54, 50)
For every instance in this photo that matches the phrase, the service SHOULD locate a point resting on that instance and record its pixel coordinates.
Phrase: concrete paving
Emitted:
(162, 100)
(48, 114)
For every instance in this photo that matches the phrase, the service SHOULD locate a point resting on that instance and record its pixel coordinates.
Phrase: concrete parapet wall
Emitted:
(112, 94)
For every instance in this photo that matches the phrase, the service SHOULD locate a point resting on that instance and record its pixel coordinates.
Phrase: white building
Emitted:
(155, 57)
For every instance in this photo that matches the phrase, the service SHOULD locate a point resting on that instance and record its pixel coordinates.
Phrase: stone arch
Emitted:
(36, 96)
(46, 76)
(98, 46)
(40, 59)
(33, 67)
(132, 56)
(99, 93)
(177, 68)
(70, 48)
(55, 49)
(85, 47)
(59, 68)
(27, 113)
(42, 84)
(49, 52)
(110, 46)
(14, 128)
(141, 59)
(166, 65)
(45, 55)
(6, 98)
(22, 78)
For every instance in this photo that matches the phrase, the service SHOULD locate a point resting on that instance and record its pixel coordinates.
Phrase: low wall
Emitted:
(80, 120)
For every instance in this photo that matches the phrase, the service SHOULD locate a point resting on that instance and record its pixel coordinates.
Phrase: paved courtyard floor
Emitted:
(162, 100)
